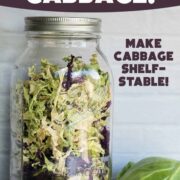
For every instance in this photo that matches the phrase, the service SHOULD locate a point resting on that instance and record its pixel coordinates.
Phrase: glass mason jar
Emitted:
(61, 103)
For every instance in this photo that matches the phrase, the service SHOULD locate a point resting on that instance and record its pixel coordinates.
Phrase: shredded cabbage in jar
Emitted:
(65, 120)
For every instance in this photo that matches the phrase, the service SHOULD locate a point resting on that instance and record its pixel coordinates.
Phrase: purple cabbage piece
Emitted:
(90, 176)
(76, 165)
(106, 107)
(68, 82)
(78, 80)
(105, 141)
(105, 132)
(41, 176)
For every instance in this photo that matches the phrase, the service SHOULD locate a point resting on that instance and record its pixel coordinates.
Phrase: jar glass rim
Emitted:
(62, 35)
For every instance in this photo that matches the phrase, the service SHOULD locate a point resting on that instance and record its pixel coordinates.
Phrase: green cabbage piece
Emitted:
(153, 168)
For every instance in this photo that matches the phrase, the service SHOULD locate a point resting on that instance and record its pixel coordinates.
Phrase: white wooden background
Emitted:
(146, 120)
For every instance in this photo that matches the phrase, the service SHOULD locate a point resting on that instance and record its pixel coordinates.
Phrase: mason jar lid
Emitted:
(63, 24)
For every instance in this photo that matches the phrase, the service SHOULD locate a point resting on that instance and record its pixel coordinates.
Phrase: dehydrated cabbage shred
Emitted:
(65, 117)
(153, 168)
